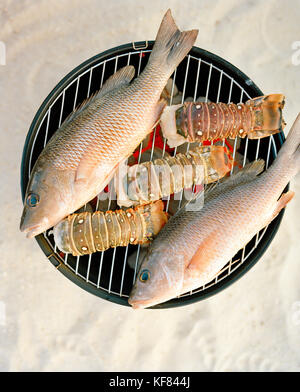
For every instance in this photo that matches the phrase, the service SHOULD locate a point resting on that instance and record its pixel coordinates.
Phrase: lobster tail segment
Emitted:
(266, 115)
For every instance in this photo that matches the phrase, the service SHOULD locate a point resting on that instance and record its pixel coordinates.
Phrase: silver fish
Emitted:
(195, 245)
(81, 157)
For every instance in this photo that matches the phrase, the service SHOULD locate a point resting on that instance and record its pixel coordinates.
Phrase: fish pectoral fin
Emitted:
(88, 167)
(93, 172)
(80, 181)
(84, 171)
(158, 110)
(121, 78)
(284, 199)
(200, 260)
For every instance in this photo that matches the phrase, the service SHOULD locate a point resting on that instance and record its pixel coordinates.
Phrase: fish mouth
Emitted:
(31, 231)
(137, 304)
(143, 303)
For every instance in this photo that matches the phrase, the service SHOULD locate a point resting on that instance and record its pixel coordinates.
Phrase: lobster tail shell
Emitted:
(150, 181)
(200, 121)
(86, 232)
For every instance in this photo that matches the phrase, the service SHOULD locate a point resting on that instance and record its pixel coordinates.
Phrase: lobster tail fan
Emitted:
(266, 115)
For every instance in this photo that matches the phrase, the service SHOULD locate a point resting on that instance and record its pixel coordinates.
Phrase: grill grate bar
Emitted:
(208, 83)
(74, 106)
(62, 107)
(230, 90)
(195, 97)
(103, 72)
(165, 140)
(182, 101)
(89, 85)
(100, 269)
(45, 142)
(123, 270)
(108, 208)
(111, 270)
(33, 144)
(269, 149)
(47, 128)
(231, 171)
(256, 156)
(136, 263)
(76, 93)
(219, 87)
(246, 151)
(140, 62)
(139, 160)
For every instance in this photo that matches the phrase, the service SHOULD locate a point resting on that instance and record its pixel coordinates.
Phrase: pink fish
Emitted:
(83, 154)
(195, 245)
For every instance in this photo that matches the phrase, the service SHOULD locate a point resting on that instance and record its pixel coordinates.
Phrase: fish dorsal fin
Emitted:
(121, 78)
(79, 108)
(247, 174)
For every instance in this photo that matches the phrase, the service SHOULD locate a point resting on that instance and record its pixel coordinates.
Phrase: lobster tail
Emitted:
(266, 115)
(150, 181)
(86, 232)
(200, 121)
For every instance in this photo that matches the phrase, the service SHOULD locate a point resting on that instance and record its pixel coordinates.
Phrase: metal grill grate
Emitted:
(108, 271)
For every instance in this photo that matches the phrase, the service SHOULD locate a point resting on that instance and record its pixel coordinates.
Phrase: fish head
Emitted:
(46, 200)
(159, 279)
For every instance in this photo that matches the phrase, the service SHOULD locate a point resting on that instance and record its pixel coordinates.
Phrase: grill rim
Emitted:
(46, 247)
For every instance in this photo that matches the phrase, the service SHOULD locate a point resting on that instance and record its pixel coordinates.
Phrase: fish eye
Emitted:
(144, 275)
(32, 199)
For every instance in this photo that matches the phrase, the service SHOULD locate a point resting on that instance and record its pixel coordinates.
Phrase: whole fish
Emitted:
(81, 157)
(195, 245)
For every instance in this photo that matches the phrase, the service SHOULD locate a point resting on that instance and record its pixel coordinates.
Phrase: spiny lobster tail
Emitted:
(149, 181)
(86, 232)
(266, 115)
(200, 121)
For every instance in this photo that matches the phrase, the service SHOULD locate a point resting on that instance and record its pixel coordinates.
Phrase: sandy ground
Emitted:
(46, 322)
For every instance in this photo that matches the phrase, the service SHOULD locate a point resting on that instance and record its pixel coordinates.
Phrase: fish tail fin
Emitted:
(171, 45)
(284, 199)
(267, 115)
(289, 154)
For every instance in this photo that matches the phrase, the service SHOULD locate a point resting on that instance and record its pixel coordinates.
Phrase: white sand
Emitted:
(47, 322)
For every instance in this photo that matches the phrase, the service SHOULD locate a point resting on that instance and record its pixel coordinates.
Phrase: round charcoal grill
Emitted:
(107, 274)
